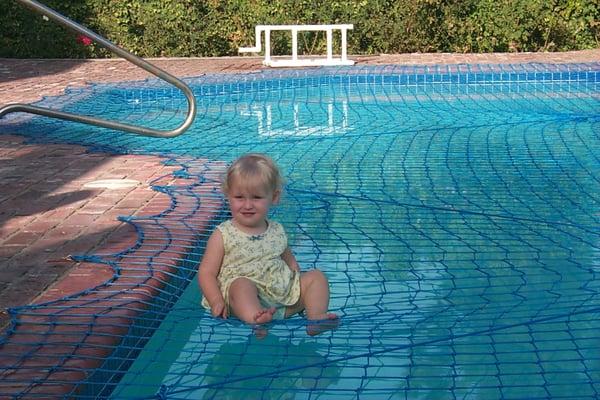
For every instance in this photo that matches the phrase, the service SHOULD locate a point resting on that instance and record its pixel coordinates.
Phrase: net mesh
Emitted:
(454, 210)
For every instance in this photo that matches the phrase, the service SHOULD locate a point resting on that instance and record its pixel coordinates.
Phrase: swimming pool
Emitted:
(455, 210)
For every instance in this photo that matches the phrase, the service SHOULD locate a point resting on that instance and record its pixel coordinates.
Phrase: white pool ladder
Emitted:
(295, 61)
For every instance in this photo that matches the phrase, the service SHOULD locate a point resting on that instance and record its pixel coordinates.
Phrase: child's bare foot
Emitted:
(264, 316)
(322, 323)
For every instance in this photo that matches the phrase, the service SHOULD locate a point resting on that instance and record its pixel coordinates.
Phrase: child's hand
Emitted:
(219, 309)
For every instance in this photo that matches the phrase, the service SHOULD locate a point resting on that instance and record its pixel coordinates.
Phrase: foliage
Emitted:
(506, 25)
(184, 28)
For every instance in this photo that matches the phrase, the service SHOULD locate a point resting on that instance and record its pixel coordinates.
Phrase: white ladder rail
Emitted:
(295, 61)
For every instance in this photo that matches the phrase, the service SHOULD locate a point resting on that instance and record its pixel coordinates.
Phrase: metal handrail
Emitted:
(191, 113)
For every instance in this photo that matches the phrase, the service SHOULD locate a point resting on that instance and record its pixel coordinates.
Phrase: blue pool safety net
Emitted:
(455, 210)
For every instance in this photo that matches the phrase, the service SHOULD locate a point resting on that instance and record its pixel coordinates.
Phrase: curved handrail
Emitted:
(191, 113)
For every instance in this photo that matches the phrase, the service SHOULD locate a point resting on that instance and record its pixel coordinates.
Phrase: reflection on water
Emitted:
(297, 119)
(271, 368)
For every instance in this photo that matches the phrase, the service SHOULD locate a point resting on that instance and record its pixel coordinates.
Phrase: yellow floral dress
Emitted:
(258, 258)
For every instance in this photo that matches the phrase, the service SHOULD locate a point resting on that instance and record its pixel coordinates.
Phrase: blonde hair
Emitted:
(253, 169)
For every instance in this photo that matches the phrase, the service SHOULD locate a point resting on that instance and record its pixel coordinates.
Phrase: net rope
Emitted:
(455, 210)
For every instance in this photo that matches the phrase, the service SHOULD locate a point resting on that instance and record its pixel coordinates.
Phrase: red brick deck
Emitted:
(48, 210)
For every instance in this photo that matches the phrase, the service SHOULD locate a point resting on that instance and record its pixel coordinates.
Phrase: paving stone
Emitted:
(22, 239)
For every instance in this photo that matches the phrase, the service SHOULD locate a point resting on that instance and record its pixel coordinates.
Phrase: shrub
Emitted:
(184, 28)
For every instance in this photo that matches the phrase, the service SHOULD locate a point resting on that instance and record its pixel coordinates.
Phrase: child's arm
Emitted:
(290, 260)
(208, 272)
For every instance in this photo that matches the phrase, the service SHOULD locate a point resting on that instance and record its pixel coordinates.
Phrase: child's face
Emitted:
(250, 204)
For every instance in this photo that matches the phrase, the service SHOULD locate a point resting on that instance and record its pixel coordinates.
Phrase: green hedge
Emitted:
(184, 28)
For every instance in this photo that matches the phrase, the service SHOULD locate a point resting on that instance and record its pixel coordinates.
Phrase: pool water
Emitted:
(456, 215)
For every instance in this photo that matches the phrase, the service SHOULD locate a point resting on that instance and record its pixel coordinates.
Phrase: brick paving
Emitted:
(49, 208)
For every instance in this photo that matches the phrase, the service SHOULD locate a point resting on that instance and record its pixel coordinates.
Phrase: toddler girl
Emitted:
(247, 269)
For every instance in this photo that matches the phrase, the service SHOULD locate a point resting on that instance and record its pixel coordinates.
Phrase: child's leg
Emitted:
(243, 300)
(314, 299)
